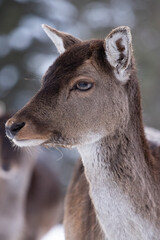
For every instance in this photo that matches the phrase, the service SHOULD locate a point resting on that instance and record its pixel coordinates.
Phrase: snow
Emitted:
(56, 233)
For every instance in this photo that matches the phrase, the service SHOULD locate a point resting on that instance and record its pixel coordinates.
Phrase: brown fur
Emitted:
(68, 40)
(107, 121)
(57, 78)
(78, 205)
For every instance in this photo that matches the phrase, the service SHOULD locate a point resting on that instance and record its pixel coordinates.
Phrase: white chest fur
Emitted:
(115, 212)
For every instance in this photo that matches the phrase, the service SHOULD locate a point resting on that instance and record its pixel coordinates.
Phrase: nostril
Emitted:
(14, 129)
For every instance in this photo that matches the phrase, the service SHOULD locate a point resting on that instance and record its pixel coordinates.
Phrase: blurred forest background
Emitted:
(26, 51)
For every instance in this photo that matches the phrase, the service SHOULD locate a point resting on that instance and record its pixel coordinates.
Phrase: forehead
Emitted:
(65, 67)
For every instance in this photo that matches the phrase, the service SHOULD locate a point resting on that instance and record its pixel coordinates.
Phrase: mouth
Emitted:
(50, 142)
(28, 143)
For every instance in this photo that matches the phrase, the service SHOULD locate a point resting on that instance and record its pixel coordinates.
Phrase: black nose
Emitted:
(14, 129)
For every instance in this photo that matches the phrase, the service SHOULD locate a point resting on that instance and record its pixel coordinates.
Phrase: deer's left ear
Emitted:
(118, 49)
(61, 40)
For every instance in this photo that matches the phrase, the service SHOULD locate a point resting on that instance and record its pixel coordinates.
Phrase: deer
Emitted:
(90, 99)
(30, 194)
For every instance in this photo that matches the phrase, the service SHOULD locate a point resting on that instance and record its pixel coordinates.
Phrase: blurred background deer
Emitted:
(31, 199)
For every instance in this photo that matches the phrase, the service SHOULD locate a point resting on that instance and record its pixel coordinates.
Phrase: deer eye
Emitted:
(83, 86)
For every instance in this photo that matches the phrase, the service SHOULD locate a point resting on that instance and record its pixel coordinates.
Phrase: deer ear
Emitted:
(118, 49)
(61, 40)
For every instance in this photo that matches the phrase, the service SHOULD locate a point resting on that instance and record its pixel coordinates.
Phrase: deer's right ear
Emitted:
(118, 49)
(61, 40)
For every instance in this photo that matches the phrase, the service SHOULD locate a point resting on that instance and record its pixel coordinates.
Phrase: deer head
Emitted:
(83, 96)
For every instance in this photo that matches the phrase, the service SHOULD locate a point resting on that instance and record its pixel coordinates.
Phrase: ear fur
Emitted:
(118, 49)
(61, 40)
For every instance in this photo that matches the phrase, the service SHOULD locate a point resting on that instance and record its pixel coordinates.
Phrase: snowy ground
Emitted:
(56, 233)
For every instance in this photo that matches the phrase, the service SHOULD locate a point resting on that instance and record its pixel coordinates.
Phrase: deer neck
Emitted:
(122, 188)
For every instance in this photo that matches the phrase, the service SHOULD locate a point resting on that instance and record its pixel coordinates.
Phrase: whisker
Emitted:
(56, 148)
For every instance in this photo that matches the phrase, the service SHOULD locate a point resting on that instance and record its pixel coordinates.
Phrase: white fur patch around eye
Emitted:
(28, 143)
(55, 39)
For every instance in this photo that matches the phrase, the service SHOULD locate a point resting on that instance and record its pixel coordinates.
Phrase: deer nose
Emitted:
(12, 130)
